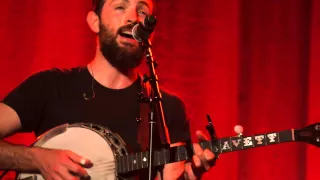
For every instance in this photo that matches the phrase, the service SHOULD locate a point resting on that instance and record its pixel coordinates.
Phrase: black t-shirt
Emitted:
(53, 97)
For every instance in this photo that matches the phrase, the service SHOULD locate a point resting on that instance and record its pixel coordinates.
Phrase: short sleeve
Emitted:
(28, 99)
(178, 122)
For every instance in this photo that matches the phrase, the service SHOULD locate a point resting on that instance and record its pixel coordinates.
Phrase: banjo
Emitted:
(111, 159)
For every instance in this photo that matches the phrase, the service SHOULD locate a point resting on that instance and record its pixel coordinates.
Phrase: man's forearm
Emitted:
(14, 157)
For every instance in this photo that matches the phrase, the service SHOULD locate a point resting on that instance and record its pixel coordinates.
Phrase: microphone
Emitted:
(142, 31)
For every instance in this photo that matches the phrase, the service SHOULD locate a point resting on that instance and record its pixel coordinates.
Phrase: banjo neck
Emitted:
(137, 161)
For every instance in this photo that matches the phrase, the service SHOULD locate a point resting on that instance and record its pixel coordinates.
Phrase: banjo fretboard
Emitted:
(136, 161)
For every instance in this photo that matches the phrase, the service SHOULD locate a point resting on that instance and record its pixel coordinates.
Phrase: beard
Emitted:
(122, 58)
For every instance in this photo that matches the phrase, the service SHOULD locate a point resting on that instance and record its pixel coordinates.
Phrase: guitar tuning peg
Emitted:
(210, 128)
(238, 129)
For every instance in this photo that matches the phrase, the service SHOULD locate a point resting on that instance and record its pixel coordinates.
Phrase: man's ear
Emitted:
(93, 21)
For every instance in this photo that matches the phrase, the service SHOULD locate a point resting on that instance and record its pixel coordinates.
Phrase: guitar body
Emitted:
(94, 142)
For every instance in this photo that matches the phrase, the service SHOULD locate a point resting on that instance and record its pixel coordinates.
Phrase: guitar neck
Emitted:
(136, 161)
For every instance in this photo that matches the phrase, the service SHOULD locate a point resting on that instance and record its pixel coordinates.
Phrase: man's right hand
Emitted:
(60, 164)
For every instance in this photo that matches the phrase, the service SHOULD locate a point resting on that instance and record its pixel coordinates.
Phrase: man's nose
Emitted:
(132, 17)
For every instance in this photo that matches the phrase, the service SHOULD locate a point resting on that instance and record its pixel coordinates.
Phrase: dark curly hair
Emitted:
(98, 4)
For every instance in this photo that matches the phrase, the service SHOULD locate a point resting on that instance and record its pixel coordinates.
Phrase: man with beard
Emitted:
(104, 92)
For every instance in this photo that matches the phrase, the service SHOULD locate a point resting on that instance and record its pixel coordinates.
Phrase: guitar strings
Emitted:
(104, 166)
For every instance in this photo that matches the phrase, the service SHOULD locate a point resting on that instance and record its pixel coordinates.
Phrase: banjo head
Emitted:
(94, 142)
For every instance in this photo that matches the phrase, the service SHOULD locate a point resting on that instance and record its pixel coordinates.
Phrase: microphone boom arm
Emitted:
(155, 105)
(141, 33)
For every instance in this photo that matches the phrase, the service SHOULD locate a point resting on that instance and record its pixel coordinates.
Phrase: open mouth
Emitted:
(126, 34)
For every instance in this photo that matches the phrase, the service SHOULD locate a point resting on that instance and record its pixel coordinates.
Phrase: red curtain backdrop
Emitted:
(249, 62)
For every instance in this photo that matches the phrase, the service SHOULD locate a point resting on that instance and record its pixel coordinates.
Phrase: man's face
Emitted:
(117, 19)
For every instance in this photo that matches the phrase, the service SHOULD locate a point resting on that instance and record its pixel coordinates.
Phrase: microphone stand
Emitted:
(155, 103)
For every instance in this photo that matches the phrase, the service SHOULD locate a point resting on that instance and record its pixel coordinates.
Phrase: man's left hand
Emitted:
(202, 160)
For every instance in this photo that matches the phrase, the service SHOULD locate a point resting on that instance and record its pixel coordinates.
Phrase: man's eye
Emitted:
(142, 13)
(120, 8)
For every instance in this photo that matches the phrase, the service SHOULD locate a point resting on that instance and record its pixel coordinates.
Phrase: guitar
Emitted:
(111, 159)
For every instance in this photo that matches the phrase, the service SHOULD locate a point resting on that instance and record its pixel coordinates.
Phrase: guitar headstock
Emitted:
(309, 134)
